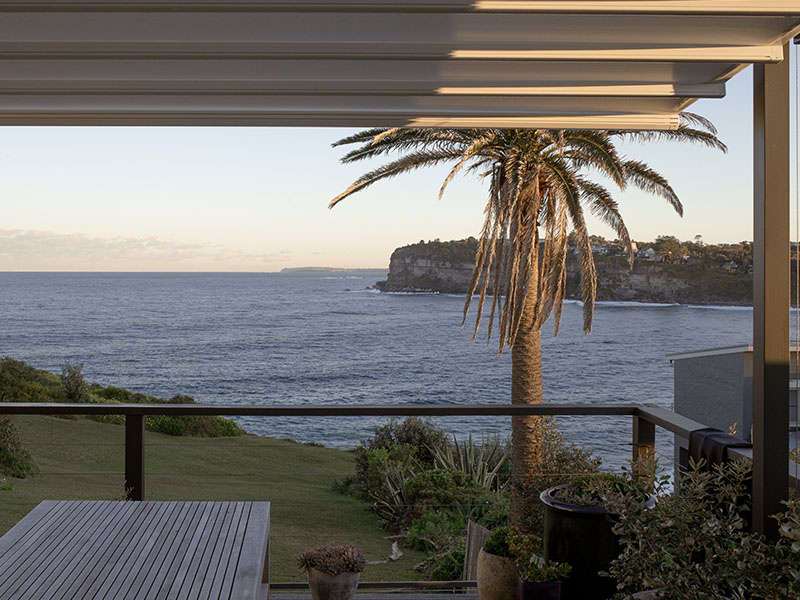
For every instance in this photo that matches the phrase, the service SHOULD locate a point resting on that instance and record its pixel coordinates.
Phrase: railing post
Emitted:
(644, 446)
(134, 457)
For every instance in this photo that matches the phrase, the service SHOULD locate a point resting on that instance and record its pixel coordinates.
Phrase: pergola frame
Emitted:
(771, 293)
(597, 64)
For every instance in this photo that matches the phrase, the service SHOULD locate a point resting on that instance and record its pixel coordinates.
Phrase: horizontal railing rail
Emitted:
(645, 419)
(317, 410)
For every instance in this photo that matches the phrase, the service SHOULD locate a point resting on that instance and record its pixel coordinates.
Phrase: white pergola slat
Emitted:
(513, 63)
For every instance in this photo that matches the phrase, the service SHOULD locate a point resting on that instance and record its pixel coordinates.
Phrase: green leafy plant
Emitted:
(399, 446)
(433, 529)
(597, 490)
(548, 571)
(694, 544)
(497, 543)
(15, 460)
(73, 384)
(333, 560)
(487, 463)
(526, 550)
(447, 563)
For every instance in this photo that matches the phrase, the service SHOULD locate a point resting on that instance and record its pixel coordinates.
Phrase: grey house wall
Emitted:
(716, 390)
(715, 387)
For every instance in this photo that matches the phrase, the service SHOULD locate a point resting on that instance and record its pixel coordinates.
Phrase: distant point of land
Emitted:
(326, 269)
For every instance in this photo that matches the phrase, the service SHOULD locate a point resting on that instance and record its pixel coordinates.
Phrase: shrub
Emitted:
(450, 490)
(73, 385)
(15, 460)
(433, 529)
(488, 464)
(410, 444)
(447, 563)
(23, 383)
(561, 462)
(695, 544)
(497, 543)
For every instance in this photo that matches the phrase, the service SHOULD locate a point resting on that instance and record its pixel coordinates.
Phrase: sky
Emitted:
(255, 199)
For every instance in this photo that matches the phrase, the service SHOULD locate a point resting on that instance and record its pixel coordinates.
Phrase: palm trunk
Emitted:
(526, 388)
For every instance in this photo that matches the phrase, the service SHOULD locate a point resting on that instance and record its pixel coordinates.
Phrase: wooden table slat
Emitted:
(82, 571)
(66, 571)
(181, 516)
(114, 550)
(116, 578)
(226, 588)
(188, 550)
(225, 573)
(204, 554)
(253, 556)
(115, 559)
(38, 518)
(219, 566)
(30, 564)
(171, 556)
(154, 523)
(35, 532)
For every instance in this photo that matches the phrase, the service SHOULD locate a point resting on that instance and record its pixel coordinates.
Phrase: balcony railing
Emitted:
(645, 418)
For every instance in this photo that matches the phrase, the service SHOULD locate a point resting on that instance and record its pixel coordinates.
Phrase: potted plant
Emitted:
(578, 531)
(333, 571)
(696, 538)
(536, 578)
(497, 571)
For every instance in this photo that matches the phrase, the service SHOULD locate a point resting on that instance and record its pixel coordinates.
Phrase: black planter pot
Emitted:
(580, 536)
(547, 590)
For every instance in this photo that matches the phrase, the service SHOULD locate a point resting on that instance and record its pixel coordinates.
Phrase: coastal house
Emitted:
(647, 254)
(596, 64)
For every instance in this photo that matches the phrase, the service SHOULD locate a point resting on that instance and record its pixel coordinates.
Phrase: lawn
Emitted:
(82, 459)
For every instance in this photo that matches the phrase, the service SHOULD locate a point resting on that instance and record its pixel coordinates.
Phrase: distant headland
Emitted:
(321, 270)
(666, 270)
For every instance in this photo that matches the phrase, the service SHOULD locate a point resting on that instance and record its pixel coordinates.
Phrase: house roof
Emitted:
(512, 63)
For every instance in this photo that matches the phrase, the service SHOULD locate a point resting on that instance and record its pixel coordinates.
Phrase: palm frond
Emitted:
(535, 180)
(652, 182)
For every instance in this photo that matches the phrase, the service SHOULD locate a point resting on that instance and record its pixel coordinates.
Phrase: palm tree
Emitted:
(538, 189)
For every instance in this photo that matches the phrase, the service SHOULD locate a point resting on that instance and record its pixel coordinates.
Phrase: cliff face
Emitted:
(437, 266)
(440, 267)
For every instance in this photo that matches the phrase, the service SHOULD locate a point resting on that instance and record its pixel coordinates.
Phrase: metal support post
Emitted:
(134, 457)
(771, 297)
(644, 447)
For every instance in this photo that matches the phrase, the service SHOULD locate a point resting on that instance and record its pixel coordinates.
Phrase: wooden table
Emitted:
(98, 550)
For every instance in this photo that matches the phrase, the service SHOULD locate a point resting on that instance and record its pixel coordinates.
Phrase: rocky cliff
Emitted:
(447, 267)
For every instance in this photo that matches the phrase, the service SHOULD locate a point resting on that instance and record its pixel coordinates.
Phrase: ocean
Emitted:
(318, 338)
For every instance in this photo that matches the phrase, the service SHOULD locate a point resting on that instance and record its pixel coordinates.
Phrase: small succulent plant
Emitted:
(333, 560)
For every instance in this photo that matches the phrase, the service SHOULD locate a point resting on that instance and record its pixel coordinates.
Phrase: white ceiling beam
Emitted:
(738, 54)
(671, 7)
(326, 118)
(666, 90)
(385, 51)
(372, 88)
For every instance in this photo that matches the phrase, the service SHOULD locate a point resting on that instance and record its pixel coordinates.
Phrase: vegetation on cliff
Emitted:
(20, 382)
(665, 270)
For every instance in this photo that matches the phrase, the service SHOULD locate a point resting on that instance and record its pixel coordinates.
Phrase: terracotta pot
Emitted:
(545, 590)
(329, 587)
(497, 577)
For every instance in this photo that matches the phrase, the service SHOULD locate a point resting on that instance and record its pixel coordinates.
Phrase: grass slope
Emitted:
(84, 460)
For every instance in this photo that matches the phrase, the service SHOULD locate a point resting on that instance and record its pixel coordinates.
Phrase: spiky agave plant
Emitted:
(538, 189)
